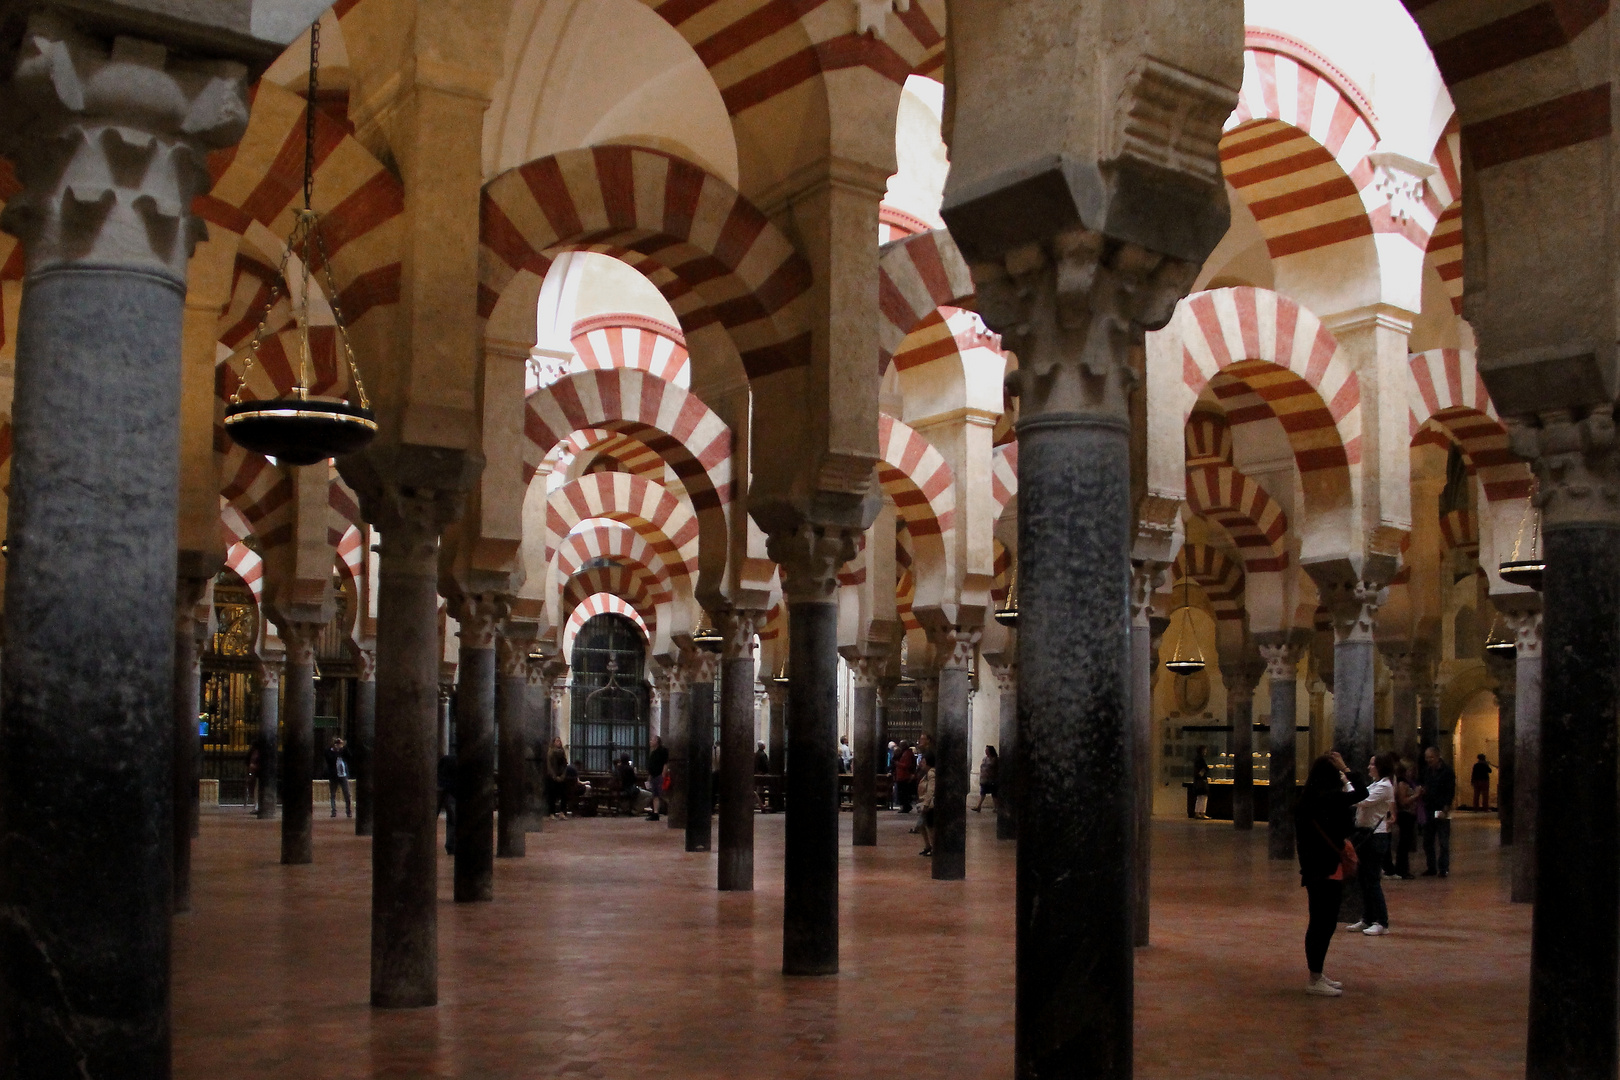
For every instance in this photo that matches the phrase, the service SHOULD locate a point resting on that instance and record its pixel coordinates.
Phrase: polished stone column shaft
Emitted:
(1403, 701)
(1353, 605)
(701, 667)
(269, 736)
(1503, 667)
(1007, 748)
(1527, 703)
(1282, 669)
(776, 747)
(364, 740)
(864, 672)
(677, 739)
(110, 151)
(512, 732)
(1575, 924)
(479, 616)
(187, 740)
(735, 871)
(1145, 577)
(298, 744)
(955, 648)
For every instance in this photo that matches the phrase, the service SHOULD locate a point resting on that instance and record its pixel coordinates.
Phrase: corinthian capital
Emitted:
(1576, 464)
(1074, 308)
(810, 556)
(110, 146)
(739, 627)
(479, 616)
(954, 645)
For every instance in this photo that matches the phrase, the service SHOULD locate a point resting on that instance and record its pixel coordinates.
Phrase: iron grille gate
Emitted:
(610, 705)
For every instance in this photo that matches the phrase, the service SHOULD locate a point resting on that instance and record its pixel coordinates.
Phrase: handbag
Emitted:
(1349, 861)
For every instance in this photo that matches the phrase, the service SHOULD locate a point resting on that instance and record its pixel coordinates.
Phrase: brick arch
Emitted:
(612, 541)
(626, 340)
(716, 258)
(246, 565)
(920, 481)
(917, 275)
(1209, 440)
(1003, 475)
(633, 584)
(599, 604)
(1443, 196)
(1220, 576)
(1251, 517)
(1446, 391)
(665, 522)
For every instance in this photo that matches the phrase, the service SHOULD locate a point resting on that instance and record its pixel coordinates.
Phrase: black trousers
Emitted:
(1324, 897)
(1437, 832)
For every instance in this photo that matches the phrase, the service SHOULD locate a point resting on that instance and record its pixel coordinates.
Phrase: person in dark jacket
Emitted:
(447, 801)
(1481, 779)
(1200, 786)
(337, 775)
(905, 778)
(1439, 791)
(1322, 824)
(627, 783)
(656, 760)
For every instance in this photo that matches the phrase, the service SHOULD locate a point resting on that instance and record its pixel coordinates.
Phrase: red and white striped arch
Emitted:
(1446, 390)
(1460, 529)
(1209, 440)
(897, 224)
(917, 477)
(607, 540)
(633, 584)
(916, 276)
(247, 566)
(672, 422)
(1003, 475)
(667, 525)
(717, 260)
(599, 604)
(1220, 576)
(1443, 196)
(1251, 517)
(626, 340)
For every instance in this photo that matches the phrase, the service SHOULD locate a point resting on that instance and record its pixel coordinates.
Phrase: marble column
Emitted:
(1240, 683)
(1007, 747)
(1403, 699)
(512, 731)
(447, 702)
(928, 704)
(700, 669)
(865, 671)
(1353, 605)
(736, 864)
(955, 650)
(1575, 821)
(1282, 669)
(110, 151)
(269, 736)
(810, 556)
(678, 742)
(365, 738)
(1428, 703)
(479, 615)
(298, 743)
(1529, 695)
(1145, 578)
(1504, 669)
(777, 746)
(187, 742)
(404, 859)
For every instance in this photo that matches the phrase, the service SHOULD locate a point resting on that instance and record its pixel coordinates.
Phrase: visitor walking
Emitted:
(1406, 826)
(1372, 844)
(905, 778)
(337, 775)
(925, 799)
(1439, 791)
(1481, 779)
(556, 775)
(846, 755)
(447, 801)
(1322, 825)
(657, 758)
(989, 766)
(252, 777)
(762, 767)
(629, 789)
(1200, 786)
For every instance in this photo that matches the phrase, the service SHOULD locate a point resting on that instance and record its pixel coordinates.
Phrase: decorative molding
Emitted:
(479, 616)
(810, 556)
(1576, 465)
(1171, 119)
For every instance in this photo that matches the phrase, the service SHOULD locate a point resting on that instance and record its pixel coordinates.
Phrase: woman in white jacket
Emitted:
(1373, 817)
(925, 797)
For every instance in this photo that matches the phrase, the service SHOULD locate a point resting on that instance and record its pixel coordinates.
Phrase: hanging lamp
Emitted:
(1499, 642)
(1191, 663)
(302, 428)
(781, 677)
(1527, 566)
(1007, 613)
(706, 637)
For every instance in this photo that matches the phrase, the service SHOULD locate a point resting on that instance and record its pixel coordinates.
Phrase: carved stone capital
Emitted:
(698, 666)
(480, 616)
(1525, 623)
(1146, 576)
(867, 671)
(1006, 676)
(739, 627)
(299, 639)
(269, 676)
(511, 657)
(927, 690)
(1353, 606)
(1074, 308)
(954, 645)
(110, 147)
(1576, 465)
(365, 663)
(1282, 659)
(1400, 661)
(777, 692)
(810, 556)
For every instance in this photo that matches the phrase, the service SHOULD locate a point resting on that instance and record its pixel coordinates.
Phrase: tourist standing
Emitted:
(657, 758)
(252, 777)
(1200, 785)
(556, 776)
(1373, 815)
(905, 778)
(1322, 824)
(337, 775)
(1481, 779)
(989, 766)
(1406, 827)
(846, 755)
(447, 801)
(925, 799)
(1439, 790)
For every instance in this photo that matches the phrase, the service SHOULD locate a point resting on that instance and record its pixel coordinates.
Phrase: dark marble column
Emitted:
(1504, 669)
(1526, 621)
(269, 736)
(736, 864)
(298, 744)
(1282, 668)
(409, 494)
(678, 738)
(479, 615)
(187, 743)
(512, 731)
(1007, 748)
(810, 556)
(447, 704)
(1145, 578)
(1240, 682)
(109, 152)
(1353, 605)
(365, 738)
(777, 745)
(864, 674)
(955, 649)
(1403, 698)
(701, 666)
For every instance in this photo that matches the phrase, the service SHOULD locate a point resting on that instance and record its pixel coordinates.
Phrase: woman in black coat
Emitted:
(1322, 823)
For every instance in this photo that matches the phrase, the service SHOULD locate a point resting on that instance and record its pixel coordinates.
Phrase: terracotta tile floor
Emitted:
(607, 953)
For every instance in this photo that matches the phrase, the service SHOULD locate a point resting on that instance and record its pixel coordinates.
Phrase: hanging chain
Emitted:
(309, 113)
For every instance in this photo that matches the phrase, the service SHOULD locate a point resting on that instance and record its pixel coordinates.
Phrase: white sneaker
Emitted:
(1376, 930)
(1359, 924)
(1323, 988)
(1335, 983)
